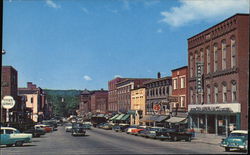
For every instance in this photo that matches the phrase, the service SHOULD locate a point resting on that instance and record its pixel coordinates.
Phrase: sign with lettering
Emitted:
(172, 99)
(8, 102)
(199, 82)
(210, 109)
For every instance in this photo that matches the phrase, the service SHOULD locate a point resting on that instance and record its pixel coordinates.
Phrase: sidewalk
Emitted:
(208, 138)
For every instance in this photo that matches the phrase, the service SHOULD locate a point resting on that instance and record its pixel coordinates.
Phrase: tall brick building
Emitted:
(85, 102)
(218, 63)
(99, 101)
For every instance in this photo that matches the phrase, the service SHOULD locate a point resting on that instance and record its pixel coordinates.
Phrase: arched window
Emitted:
(233, 52)
(224, 91)
(208, 59)
(224, 54)
(234, 90)
(215, 57)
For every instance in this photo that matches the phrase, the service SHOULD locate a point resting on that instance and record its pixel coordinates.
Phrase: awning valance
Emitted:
(149, 118)
(161, 118)
(114, 117)
(125, 117)
(119, 117)
(180, 120)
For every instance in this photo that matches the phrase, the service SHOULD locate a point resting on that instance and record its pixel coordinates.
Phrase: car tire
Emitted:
(188, 139)
(19, 143)
(175, 138)
(227, 149)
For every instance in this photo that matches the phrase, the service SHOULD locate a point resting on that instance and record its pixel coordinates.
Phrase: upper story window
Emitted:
(196, 57)
(208, 60)
(216, 94)
(31, 100)
(202, 55)
(224, 92)
(233, 52)
(215, 57)
(208, 95)
(182, 101)
(224, 54)
(191, 96)
(196, 98)
(183, 82)
(175, 83)
(234, 90)
(191, 65)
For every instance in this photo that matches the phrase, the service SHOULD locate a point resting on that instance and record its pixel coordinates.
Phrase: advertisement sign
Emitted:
(8, 102)
(199, 81)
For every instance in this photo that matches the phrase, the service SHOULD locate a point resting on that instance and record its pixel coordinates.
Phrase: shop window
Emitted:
(233, 52)
(215, 94)
(224, 52)
(224, 92)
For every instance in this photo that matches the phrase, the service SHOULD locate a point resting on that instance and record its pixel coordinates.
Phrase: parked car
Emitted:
(10, 136)
(130, 128)
(107, 126)
(78, 129)
(138, 129)
(120, 127)
(35, 132)
(100, 125)
(47, 128)
(150, 132)
(87, 126)
(68, 127)
(173, 134)
(238, 139)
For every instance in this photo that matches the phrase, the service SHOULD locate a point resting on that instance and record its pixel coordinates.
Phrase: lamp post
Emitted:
(3, 52)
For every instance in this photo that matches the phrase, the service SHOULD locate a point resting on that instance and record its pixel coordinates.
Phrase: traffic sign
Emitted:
(8, 102)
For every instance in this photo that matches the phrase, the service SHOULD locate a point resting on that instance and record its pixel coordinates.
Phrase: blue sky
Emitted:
(78, 44)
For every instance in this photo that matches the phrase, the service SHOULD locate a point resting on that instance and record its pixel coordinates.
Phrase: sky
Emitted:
(78, 44)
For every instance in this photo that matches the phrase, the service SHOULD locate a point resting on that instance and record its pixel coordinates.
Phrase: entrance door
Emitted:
(211, 123)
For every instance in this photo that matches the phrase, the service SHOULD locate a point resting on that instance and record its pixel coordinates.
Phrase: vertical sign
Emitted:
(199, 82)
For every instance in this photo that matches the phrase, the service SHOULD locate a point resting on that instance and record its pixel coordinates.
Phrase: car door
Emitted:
(9, 136)
(3, 137)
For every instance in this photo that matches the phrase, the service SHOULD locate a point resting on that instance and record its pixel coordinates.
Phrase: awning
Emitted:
(161, 118)
(133, 112)
(114, 117)
(180, 120)
(149, 118)
(119, 117)
(126, 117)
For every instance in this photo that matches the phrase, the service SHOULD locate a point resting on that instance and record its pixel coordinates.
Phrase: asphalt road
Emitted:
(98, 141)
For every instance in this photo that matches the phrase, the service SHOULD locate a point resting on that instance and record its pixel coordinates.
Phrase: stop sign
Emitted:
(8, 102)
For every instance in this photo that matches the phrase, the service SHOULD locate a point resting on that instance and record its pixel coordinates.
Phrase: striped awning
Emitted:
(114, 117)
(119, 117)
(126, 117)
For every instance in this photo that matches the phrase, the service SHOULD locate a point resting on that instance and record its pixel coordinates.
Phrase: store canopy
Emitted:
(114, 117)
(100, 115)
(149, 118)
(161, 118)
(119, 117)
(125, 117)
(181, 120)
(132, 112)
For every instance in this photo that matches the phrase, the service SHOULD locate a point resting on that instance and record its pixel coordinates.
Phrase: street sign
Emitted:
(8, 102)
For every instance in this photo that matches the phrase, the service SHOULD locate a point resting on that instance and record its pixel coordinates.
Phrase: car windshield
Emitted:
(238, 135)
(78, 125)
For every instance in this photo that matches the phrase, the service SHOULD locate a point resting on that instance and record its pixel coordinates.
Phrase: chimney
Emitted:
(158, 75)
(29, 85)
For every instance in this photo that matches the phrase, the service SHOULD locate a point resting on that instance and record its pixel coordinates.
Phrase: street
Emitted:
(98, 141)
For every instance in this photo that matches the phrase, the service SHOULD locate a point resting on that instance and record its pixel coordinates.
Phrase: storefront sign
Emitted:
(8, 102)
(199, 77)
(228, 107)
(210, 109)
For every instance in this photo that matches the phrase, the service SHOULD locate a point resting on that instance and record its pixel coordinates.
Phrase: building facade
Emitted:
(124, 92)
(85, 102)
(218, 64)
(112, 95)
(35, 99)
(99, 101)
(138, 104)
(179, 85)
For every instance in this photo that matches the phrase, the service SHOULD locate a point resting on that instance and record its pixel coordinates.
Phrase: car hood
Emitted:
(234, 139)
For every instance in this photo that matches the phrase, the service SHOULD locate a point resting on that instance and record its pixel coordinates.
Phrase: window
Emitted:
(196, 98)
(191, 66)
(183, 82)
(223, 47)
(208, 60)
(202, 56)
(7, 131)
(182, 101)
(233, 52)
(175, 83)
(234, 97)
(208, 95)
(215, 58)
(31, 100)
(191, 96)
(224, 92)
(215, 94)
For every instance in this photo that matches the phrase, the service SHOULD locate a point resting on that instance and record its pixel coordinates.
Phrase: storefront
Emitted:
(219, 119)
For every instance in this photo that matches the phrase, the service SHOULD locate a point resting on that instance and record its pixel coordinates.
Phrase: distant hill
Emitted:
(65, 106)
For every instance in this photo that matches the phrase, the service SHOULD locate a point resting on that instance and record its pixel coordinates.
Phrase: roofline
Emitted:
(179, 68)
(127, 79)
(237, 14)
(153, 80)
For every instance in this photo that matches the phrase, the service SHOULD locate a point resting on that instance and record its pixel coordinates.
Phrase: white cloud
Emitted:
(151, 3)
(85, 10)
(116, 76)
(126, 4)
(159, 31)
(87, 78)
(52, 4)
(196, 10)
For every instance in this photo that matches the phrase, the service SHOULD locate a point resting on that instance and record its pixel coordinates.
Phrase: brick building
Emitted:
(123, 92)
(85, 102)
(99, 101)
(179, 85)
(218, 63)
(112, 95)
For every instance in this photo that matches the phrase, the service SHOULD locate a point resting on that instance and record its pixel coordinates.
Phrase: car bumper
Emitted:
(78, 134)
(162, 137)
(234, 146)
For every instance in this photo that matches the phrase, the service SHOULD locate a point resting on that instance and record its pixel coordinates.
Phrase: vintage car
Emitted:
(238, 139)
(68, 127)
(173, 134)
(120, 127)
(137, 130)
(10, 136)
(130, 128)
(47, 128)
(107, 126)
(78, 129)
(87, 126)
(150, 132)
(35, 132)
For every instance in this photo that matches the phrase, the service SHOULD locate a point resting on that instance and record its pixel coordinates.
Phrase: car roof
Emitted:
(10, 128)
(240, 131)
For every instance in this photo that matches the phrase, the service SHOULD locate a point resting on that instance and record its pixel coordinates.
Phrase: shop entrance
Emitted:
(211, 124)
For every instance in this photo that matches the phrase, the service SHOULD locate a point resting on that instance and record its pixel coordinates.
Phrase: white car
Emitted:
(68, 127)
